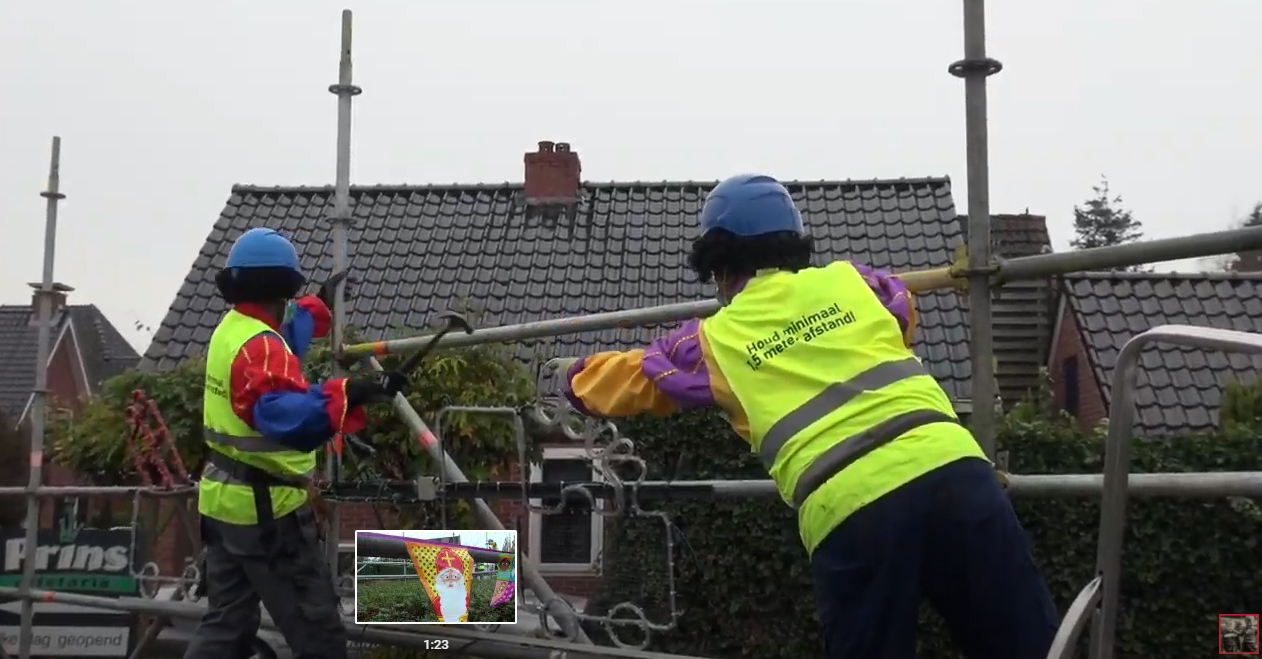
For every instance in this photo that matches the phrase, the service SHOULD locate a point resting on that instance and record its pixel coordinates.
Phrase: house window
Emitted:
(569, 541)
(1069, 377)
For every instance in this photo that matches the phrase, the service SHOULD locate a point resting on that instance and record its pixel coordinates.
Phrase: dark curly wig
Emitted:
(721, 252)
(238, 285)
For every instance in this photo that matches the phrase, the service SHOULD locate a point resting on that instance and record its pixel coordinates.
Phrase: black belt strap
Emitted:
(259, 481)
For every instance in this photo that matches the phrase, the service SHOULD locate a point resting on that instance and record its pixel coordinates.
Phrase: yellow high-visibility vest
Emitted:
(838, 408)
(220, 495)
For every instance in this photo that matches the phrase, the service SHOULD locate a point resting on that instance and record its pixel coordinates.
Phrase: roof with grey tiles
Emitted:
(1179, 389)
(104, 350)
(1019, 235)
(419, 249)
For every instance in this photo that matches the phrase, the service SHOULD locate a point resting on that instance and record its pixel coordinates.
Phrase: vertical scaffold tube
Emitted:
(345, 90)
(974, 69)
(39, 400)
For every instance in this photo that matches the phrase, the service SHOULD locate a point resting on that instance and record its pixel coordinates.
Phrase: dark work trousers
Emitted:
(952, 537)
(294, 584)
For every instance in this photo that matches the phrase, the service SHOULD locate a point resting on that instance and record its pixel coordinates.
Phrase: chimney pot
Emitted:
(553, 176)
(58, 298)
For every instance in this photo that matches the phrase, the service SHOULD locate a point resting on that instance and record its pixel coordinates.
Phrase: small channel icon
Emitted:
(1238, 633)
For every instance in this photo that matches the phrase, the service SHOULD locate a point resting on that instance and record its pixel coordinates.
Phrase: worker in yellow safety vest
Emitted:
(894, 498)
(263, 423)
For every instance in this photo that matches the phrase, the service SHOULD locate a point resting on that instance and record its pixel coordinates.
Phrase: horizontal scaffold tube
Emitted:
(490, 645)
(383, 545)
(1018, 269)
(1185, 485)
(99, 490)
(1189, 484)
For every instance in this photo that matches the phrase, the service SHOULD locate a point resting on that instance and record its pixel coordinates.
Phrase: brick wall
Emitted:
(356, 516)
(512, 512)
(65, 377)
(1091, 408)
(580, 586)
(65, 388)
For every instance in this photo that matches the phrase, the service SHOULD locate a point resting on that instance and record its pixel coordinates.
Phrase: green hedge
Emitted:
(1185, 561)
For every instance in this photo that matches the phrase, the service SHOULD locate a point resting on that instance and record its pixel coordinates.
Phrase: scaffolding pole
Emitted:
(458, 638)
(345, 90)
(1024, 268)
(974, 69)
(39, 399)
(100, 490)
(1182, 484)
(384, 545)
(1192, 485)
(452, 474)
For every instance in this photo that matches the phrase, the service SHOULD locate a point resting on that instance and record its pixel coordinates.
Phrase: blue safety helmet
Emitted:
(750, 205)
(263, 248)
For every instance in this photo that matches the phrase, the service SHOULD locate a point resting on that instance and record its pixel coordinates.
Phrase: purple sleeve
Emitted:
(891, 291)
(676, 366)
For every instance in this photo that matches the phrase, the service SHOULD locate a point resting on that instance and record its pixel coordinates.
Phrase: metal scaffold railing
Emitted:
(998, 272)
(622, 486)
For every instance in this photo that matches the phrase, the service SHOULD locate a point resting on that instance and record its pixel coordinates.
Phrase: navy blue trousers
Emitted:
(952, 537)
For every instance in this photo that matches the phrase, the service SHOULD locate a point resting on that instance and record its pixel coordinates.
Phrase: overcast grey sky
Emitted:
(162, 106)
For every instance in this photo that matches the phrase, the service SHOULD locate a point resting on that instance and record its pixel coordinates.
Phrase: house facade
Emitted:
(85, 350)
(1179, 390)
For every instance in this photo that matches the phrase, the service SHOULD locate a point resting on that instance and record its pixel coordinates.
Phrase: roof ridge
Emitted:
(1215, 276)
(400, 187)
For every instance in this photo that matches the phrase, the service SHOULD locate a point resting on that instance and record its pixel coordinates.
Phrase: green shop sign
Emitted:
(74, 559)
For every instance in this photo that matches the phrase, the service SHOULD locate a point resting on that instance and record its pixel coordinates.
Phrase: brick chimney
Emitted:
(553, 177)
(58, 297)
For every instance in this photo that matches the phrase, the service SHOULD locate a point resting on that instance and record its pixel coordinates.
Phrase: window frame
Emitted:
(591, 567)
(1071, 391)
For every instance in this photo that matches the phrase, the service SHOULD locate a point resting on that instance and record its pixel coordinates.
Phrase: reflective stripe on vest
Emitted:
(832, 398)
(257, 444)
(841, 455)
(821, 372)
